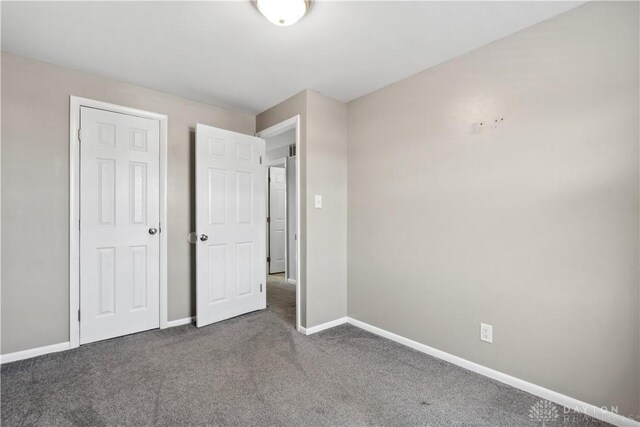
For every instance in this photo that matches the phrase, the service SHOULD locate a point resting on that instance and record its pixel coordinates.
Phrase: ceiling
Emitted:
(227, 54)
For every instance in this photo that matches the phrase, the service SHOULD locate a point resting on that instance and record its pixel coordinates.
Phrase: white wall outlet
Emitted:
(486, 332)
(318, 201)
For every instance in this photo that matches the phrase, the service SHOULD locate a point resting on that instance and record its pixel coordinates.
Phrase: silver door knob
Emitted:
(153, 231)
(204, 237)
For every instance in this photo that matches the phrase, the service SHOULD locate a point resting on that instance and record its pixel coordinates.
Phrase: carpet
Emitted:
(257, 370)
(281, 298)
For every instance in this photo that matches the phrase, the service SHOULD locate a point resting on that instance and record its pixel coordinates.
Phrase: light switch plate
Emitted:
(318, 201)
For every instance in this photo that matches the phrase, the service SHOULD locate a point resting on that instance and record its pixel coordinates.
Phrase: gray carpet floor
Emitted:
(281, 298)
(257, 370)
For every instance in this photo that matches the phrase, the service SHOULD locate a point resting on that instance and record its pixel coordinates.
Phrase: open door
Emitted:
(230, 224)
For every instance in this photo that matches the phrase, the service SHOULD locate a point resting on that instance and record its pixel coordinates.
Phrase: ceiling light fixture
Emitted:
(283, 12)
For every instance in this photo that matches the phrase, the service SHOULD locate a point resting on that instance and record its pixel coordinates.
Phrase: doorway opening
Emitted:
(282, 198)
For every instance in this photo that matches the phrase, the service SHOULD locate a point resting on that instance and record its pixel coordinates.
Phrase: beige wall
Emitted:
(323, 170)
(531, 227)
(326, 174)
(35, 164)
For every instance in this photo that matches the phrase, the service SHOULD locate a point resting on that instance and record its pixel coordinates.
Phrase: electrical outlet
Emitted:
(486, 333)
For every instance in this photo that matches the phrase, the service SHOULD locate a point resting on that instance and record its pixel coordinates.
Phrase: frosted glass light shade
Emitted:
(283, 12)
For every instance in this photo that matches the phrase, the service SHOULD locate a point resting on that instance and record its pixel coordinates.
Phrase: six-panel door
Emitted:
(119, 224)
(230, 224)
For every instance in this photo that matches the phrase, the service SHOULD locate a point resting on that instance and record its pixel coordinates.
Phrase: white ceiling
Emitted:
(227, 54)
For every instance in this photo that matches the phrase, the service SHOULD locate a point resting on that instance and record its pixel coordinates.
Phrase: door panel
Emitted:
(218, 265)
(230, 223)
(119, 203)
(277, 215)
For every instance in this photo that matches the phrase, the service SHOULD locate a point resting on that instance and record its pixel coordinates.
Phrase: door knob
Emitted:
(204, 237)
(153, 231)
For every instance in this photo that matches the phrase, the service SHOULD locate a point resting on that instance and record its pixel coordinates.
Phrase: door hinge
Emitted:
(79, 135)
(78, 315)
(260, 287)
(268, 220)
(268, 259)
(260, 159)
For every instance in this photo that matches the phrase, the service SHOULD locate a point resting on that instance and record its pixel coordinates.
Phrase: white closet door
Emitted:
(119, 224)
(277, 219)
(230, 223)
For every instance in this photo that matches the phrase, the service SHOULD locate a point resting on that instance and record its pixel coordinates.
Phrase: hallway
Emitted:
(281, 298)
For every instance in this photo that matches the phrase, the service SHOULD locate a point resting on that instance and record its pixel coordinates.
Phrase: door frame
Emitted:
(292, 123)
(75, 103)
(272, 163)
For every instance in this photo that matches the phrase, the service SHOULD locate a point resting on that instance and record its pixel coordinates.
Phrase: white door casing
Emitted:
(292, 217)
(120, 224)
(277, 219)
(230, 224)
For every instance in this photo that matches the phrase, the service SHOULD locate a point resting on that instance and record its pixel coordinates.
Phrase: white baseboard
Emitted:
(39, 351)
(291, 281)
(561, 399)
(323, 326)
(33, 352)
(180, 322)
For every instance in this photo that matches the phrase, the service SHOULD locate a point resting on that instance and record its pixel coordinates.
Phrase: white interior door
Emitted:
(119, 224)
(277, 219)
(230, 223)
